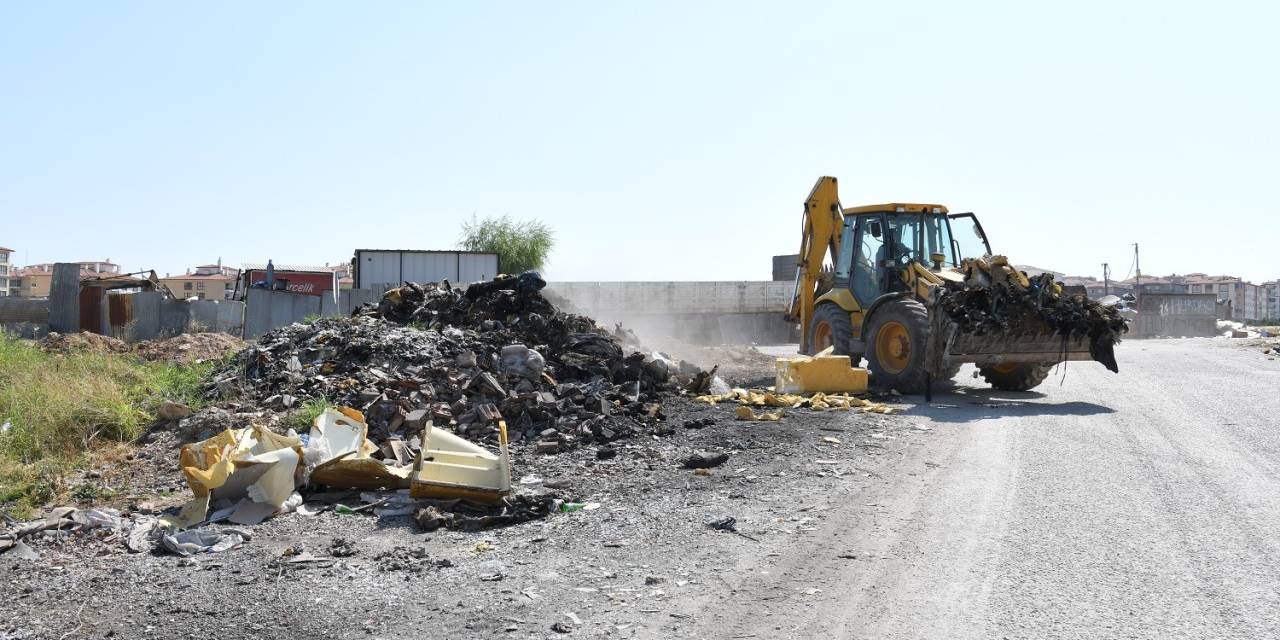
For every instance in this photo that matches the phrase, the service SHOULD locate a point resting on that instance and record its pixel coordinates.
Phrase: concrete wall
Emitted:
(1177, 315)
(266, 310)
(729, 312)
(150, 315)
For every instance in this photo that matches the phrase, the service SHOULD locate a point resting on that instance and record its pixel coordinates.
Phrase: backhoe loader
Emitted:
(889, 266)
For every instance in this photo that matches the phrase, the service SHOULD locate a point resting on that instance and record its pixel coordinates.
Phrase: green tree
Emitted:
(520, 246)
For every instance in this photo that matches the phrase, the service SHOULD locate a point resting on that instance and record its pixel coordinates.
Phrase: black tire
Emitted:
(839, 328)
(898, 315)
(1024, 377)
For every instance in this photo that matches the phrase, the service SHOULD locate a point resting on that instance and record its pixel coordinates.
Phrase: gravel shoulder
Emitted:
(640, 565)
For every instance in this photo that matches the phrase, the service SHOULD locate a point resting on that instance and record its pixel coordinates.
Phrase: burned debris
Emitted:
(463, 359)
(997, 298)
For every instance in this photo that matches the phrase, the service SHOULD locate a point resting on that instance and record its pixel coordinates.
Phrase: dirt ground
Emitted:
(625, 569)
(1077, 510)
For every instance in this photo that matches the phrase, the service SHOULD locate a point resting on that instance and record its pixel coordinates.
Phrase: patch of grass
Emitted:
(61, 406)
(23, 487)
(303, 417)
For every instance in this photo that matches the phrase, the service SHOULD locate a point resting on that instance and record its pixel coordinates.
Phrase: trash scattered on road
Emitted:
(745, 413)
(339, 447)
(816, 401)
(252, 468)
(193, 541)
(705, 460)
(449, 466)
(729, 525)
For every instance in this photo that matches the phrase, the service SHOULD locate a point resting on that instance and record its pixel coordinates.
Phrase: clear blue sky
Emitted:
(661, 140)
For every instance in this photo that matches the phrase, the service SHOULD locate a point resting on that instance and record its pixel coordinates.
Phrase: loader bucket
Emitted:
(1040, 345)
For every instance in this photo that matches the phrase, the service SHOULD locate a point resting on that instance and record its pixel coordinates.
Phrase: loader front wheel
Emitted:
(1015, 376)
(897, 336)
(831, 327)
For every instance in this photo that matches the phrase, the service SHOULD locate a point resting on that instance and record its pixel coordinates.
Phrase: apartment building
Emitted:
(1271, 289)
(5, 269)
(205, 282)
(1094, 287)
(1248, 300)
(35, 280)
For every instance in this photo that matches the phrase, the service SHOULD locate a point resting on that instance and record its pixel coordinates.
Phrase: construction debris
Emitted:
(250, 470)
(706, 460)
(187, 348)
(466, 515)
(338, 454)
(745, 413)
(768, 398)
(67, 343)
(997, 298)
(463, 360)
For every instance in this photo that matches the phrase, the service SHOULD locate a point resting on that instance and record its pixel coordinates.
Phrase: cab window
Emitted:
(869, 258)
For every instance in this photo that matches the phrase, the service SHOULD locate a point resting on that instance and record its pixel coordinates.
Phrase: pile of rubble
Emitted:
(995, 297)
(68, 343)
(464, 359)
(187, 348)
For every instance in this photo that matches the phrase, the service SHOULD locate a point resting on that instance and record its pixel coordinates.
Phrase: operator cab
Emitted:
(878, 241)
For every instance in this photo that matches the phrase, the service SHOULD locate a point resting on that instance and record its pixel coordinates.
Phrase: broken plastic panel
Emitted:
(449, 466)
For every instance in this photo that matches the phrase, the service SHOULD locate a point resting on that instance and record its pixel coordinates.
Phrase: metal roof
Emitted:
(262, 266)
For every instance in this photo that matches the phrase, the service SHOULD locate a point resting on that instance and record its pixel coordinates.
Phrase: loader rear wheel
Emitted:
(831, 327)
(897, 336)
(1016, 376)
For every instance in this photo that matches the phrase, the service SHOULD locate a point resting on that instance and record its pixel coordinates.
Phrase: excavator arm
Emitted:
(820, 237)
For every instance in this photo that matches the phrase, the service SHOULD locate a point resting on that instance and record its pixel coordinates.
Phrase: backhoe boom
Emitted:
(823, 222)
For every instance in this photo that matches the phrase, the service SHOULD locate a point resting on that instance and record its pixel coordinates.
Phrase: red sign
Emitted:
(308, 282)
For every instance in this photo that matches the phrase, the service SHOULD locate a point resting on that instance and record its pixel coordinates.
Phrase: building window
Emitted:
(200, 286)
(186, 286)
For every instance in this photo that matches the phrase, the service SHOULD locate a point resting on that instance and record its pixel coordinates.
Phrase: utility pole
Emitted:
(1106, 280)
(1137, 269)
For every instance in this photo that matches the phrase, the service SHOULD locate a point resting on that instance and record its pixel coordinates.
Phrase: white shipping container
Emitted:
(380, 269)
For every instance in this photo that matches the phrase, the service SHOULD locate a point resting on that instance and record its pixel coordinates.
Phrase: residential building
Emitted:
(34, 281)
(1033, 271)
(343, 269)
(1094, 287)
(1158, 284)
(205, 282)
(5, 252)
(1272, 290)
(1248, 300)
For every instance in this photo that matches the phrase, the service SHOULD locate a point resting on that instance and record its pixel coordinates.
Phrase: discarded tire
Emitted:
(896, 339)
(1016, 376)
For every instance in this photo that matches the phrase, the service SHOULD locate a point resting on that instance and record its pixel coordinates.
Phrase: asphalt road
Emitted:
(1139, 505)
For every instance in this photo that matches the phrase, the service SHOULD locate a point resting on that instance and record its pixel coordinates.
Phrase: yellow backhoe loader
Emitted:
(878, 298)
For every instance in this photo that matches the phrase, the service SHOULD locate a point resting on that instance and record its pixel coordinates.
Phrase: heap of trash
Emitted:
(463, 359)
(995, 297)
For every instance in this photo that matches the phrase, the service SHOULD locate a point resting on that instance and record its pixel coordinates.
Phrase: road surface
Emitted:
(1139, 505)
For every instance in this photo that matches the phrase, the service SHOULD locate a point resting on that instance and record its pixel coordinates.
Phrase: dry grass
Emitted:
(60, 406)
